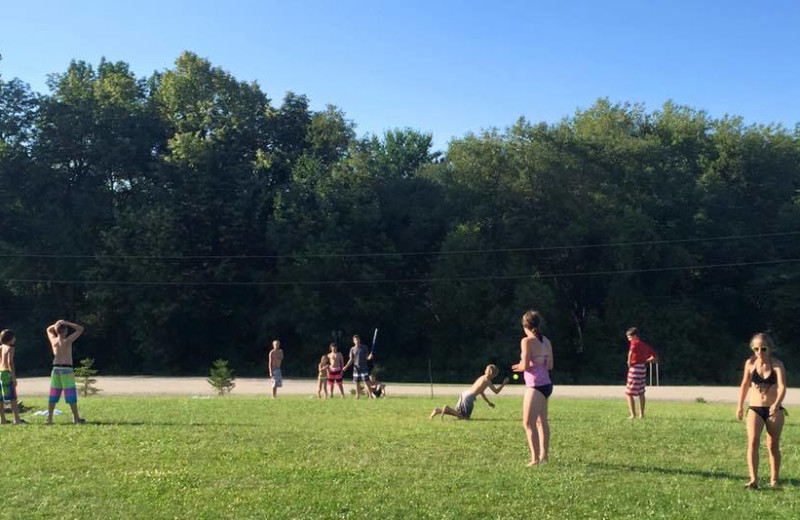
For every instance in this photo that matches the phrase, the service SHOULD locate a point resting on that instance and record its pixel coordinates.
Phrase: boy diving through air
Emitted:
(466, 402)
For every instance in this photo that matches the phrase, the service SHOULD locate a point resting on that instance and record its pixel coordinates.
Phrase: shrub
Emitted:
(221, 377)
(85, 374)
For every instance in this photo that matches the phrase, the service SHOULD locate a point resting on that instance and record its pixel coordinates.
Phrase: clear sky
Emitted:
(442, 66)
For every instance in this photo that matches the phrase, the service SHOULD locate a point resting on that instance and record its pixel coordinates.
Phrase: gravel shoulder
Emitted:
(191, 386)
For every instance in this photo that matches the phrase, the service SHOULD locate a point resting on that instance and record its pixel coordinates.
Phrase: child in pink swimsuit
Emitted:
(537, 376)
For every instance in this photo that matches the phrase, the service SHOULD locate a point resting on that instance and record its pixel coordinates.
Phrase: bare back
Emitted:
(62, 350)
(6, 357)
(480, 385)
(540, 352)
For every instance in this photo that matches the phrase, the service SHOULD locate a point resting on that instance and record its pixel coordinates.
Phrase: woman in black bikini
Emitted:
(768, 376)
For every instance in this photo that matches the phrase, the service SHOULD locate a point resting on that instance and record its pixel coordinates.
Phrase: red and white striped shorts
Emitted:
(636, 377)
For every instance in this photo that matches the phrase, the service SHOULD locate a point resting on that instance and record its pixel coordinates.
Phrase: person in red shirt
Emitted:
(639, 355)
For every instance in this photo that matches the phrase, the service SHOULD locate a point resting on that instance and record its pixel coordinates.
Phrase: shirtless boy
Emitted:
(8, 377)
(275, 360)
(62, 334)
(335, 365)
(466, 402)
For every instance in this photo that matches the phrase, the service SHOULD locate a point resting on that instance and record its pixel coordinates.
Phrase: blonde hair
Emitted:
(765, 338)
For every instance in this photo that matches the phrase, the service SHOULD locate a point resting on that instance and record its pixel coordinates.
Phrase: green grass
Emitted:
(304, 458)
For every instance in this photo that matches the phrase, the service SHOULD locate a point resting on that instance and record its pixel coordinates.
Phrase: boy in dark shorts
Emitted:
(466, 402)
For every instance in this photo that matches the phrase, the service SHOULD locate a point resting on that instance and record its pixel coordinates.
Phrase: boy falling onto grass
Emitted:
(466, 402)
(640, 354)
(8, 377)
(62, 378)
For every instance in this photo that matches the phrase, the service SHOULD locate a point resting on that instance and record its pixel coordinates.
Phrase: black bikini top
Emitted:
(761, 382)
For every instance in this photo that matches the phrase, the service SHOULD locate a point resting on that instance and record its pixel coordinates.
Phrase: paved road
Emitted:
(188, 386)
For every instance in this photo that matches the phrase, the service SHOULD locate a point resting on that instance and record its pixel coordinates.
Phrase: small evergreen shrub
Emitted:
(85, 375)
(221, 377)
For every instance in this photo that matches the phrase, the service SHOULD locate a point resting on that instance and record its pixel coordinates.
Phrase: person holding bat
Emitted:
(358, 360)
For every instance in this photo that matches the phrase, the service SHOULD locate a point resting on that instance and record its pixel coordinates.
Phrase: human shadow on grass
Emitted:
(685, 472)
(167, 424)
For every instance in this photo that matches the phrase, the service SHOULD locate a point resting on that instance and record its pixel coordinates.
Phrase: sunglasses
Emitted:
(760, 349)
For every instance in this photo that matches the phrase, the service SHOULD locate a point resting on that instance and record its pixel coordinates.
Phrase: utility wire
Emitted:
(400, 253)
(402, 280)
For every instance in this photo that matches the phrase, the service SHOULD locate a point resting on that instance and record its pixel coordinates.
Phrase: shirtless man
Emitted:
(8, 377)
(336, 360)
(466, 402)
(275, 360)
(62, 377)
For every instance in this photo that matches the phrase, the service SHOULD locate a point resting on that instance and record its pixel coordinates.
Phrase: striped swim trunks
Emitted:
(63, 379)
(277, 378)
(360, 374)
(7, 390)
(636, 376)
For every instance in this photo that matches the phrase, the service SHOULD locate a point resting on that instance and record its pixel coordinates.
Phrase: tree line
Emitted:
(185, 217)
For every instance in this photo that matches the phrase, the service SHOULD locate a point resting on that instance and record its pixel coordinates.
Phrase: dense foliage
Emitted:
(186, 217)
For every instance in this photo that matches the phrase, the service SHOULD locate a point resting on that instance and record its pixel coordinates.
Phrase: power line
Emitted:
(403, 280)
(400, 253)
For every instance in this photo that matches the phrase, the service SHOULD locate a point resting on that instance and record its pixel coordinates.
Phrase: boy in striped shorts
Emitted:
(62, 334)
(639, 355)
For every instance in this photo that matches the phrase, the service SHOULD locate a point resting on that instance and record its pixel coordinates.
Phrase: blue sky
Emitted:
(442, 66)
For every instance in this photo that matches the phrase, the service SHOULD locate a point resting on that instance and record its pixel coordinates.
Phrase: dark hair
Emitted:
(532, 321)
(356, 336)
(7, 336)
(332, 345)
(633, 331)
(62, 328)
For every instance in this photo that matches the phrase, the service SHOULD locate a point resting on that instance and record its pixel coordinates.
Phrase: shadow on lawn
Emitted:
(170, 424)
(686, 472)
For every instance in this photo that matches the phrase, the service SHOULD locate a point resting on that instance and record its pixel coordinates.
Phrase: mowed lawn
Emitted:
(299, 457)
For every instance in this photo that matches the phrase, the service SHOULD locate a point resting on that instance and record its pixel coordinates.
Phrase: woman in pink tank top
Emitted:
(536, 362)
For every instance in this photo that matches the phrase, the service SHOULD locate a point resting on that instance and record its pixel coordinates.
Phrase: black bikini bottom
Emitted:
(763, 411)
(546, 390)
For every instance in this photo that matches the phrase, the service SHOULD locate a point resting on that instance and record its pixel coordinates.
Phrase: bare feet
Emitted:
(533, 463)
(544, 460)
(774, 484)
(79, 421)
(631, 417)
(753, 484)
(435, 412)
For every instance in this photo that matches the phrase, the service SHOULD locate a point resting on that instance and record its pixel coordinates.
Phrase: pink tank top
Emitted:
(537, 374)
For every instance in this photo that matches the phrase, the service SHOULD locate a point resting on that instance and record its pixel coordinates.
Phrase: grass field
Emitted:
(303, 458)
